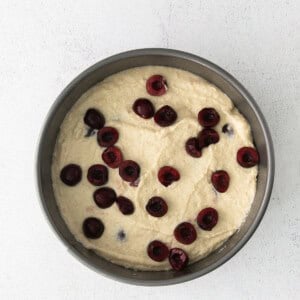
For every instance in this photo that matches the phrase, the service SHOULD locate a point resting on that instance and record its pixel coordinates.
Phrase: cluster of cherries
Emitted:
(129, 171)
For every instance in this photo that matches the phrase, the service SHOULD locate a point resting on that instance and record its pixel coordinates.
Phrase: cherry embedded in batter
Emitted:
(107, 136)
(207, 218)
(185, 233)
(125, 205)
(92, 228)
(112, 156)
(143, 108)
(207, 137)
(165, 116)
(208, 117)
(129, 170)
(192, 147)
(71, 174)
(156, 85)
(157, 251)
(220, 180)
(104, 197)
(97, 175)
(178, 259)
(157, 207)
(94, 118)
(247, 157)
(167, 175)
(227, 129)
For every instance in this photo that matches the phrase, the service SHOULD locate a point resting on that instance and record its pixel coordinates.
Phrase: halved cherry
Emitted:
(207, 137)
(207, 218)
(71, 174)
(94, 118)
(167, 175)
(178, 259)
(192, 147)
(112, 156)
(165, 116)
(156, 85)
(129, 170)
(157, 251)
(247, 157)
(208, 117)
(125, 205)
(107, 136)
(97, 174)
(220, 180)
(185, 233)
(144, 108)
(157, 207)
(92, 228)
(104, 197)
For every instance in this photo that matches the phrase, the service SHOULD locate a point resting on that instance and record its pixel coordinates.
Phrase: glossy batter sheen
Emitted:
(152, 147)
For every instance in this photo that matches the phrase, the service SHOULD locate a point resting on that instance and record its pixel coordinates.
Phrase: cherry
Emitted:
(165, 116)
(97, 175)
(185, 233)
(105, 197)
(207, 137)
(92, 228)
(192, 147)
(167, 175)
(247, 157)
(208, 117)
(94, 118)
(144, 108)
(207, 218)
(71, 174)
(178, 259)
(157, 207)
(129, 170)
(220, 180)
(156, 85)
(125, 205)
(107, 136)
(112, 156)
(157, 251)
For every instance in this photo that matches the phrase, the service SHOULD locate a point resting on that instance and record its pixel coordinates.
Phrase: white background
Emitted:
(45, 44)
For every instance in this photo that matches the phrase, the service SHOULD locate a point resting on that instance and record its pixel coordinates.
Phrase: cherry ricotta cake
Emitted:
(154, 168)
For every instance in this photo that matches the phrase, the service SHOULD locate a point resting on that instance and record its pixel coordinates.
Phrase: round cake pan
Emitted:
(171, 58)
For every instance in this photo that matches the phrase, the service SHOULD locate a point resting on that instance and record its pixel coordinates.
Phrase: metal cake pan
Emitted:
(172, 58)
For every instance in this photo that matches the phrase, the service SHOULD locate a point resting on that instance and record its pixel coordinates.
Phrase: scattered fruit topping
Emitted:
(192, 147)
(185, 233)
(144, 108)
(227, 129)
(220, 180)
(121, 235)
(165, 116)
(97, 174)
(125, 205)
(178, 259)
(92, 228)
(129, 170)
(71, 174)
(207, 218)
(107, 136)
(94, 118)
(247, 157)
(208, 117)
(167, 175)
(157, 207)
(156, 85)
(157, 251)
(207, 137)
(105, 197)
(112, 156)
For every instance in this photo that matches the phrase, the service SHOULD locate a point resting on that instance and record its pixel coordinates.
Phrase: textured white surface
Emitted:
(44, 44)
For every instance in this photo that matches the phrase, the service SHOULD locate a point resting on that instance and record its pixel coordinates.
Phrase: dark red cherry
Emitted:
(185, 233)
(167, 175)
(178, 259)
(207, 137)
(144, 108)
(192, 147)
(156, 85)
(208, 117)
(220, 180)
(112, 156)
(94, 118)
(157, 207)
(105, 197)
(247, 157)
(165, 116)
(107, 136)
(125, 205)
(97, 175)
(207, 218)
(71, 174)
(129, 170)
(157, 251)
(92, 228)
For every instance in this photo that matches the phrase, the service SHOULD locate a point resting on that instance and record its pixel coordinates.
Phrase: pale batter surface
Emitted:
(152, 147)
